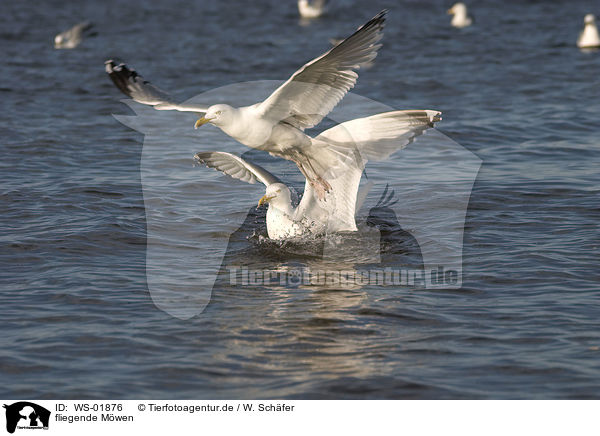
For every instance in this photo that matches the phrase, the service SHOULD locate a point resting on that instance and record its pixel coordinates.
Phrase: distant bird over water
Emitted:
(460, 15)
(589, 37)
(311, 10)
(72, 38)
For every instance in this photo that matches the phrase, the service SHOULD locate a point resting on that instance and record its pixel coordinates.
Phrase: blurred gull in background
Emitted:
(589, 38)
(72, 38)
(461, 17)
(314, 10)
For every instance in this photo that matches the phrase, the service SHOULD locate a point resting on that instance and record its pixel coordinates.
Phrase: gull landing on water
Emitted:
(589, 37)
(460, 15)
(363, 139)
(314, 10)
(277, 124)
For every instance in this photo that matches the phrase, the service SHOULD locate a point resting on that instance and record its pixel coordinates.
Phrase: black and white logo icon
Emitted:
(26, 415)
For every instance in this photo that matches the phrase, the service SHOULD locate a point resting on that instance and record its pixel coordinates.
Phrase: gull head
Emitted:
(458, 9)
(58, 40)
(589, 19)
(218, 115)
(276, 194)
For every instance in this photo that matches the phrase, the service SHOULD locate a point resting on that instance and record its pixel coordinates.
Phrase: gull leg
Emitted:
(320, 185)
(319, 189)
(324, 183)
(318, 180)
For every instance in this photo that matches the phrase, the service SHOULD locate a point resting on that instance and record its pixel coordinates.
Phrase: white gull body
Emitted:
(589, 37)
(460, 15)
(311, 10)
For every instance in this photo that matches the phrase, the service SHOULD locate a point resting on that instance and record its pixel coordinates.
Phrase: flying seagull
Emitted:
(277, 124)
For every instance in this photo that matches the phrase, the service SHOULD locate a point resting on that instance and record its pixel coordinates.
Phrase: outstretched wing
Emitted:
(235, 167)
(314, 90)
(133, 85)
(356, 142)
(378, 136)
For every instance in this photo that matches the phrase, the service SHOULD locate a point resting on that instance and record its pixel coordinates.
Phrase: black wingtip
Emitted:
(121, 75)
(378, 19)
(377, 22)
(374, 26)
(201, 157)
(382, 14)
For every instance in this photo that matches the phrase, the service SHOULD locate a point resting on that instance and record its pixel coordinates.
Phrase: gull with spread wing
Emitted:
(370, 138)
(277, 124)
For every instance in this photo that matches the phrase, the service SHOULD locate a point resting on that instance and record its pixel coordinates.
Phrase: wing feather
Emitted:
(235, 167)
(378, 136)
(314, 90)
(135, 86)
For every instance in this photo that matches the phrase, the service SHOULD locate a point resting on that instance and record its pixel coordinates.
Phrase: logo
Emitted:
(26, 415)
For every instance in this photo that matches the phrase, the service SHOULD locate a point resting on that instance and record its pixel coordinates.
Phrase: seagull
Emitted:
(373, 138)
(461, 17)
(589, 38)
(72, 38)
(314, 10)
(277, 124)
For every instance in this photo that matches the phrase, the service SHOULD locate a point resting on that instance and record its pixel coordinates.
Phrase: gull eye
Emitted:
(218, 113)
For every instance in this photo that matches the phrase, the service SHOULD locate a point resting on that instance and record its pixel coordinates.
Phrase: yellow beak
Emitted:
(264, 199)
(201, 121)
(450, 11)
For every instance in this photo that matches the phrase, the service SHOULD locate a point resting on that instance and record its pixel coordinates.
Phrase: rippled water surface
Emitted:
(77, 317)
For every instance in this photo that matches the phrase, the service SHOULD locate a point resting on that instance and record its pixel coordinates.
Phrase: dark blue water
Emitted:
(78, 320)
